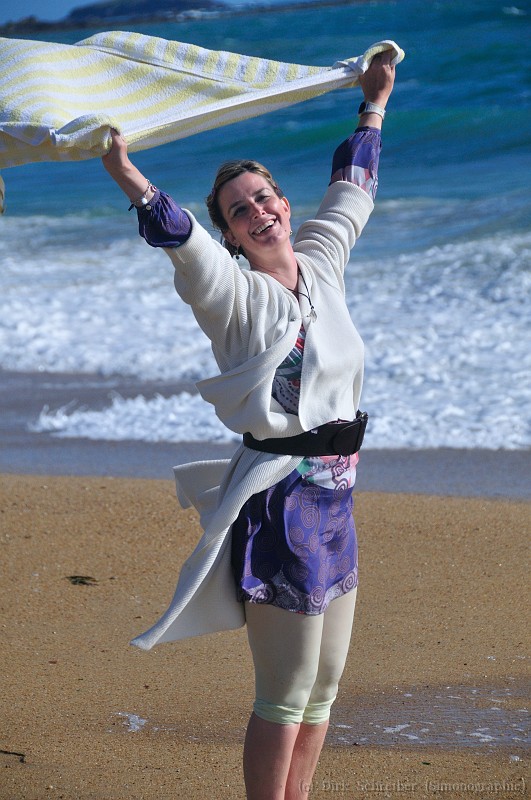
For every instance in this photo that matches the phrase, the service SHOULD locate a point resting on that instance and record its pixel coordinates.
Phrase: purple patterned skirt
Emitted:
(294, 546)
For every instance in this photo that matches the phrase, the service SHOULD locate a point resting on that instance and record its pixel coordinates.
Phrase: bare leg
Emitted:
(304, 760)
(266, 758)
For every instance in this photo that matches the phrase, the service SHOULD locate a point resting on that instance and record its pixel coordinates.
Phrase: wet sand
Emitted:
(431, 704)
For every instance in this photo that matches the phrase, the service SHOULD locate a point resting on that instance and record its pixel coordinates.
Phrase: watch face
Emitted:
(361, 109)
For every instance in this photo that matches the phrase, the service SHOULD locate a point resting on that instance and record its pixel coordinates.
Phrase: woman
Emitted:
(291, 366)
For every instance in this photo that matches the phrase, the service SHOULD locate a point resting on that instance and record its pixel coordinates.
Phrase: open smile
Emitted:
(264, 227)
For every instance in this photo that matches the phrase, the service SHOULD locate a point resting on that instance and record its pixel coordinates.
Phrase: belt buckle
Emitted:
(349, 439)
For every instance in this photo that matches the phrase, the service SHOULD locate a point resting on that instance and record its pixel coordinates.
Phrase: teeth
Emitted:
(264, 227)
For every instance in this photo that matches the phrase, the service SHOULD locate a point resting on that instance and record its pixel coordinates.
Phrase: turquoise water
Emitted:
(438, 284)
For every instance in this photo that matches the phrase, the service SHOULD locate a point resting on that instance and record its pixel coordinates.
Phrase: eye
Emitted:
(236, 212)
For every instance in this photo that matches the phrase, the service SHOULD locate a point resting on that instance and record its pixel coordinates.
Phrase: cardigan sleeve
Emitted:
(329, 238)
(241, 311)
(325, 242)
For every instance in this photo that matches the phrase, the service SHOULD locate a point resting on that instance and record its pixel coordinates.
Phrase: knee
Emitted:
(317, 712)
(322, 696)
(281, 714)
(314, 713)
(312, 707)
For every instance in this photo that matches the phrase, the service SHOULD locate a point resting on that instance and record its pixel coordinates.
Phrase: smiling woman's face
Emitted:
(258, 220)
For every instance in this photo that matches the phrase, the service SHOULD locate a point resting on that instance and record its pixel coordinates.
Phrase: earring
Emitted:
(237, 253)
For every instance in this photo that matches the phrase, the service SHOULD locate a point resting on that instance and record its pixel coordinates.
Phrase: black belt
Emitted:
(330, 439)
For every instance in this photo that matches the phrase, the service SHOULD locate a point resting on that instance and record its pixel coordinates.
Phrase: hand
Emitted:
(378, 81)
(116, 160)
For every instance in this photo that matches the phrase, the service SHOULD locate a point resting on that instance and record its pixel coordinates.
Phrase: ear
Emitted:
(231, 239)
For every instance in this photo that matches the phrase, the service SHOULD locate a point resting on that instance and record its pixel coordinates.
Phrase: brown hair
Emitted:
(227, 172)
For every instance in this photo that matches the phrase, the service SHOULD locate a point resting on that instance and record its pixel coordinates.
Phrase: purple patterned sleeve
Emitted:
(356, 160)
(162, 223)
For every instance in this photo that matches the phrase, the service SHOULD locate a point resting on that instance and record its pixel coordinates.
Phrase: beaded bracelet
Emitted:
(142, 199)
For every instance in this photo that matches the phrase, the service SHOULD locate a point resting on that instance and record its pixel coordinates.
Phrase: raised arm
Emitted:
(343, 213)
(224, 298)
(356, 159)
(123, 171)
(161, 222)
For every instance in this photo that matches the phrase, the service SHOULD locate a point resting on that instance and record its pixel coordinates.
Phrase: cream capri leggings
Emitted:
(298, 659)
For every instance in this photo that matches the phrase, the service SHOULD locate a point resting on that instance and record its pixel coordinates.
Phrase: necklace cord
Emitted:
(313, 314)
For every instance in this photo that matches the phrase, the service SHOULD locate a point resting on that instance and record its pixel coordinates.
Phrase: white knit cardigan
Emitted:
(253, 323)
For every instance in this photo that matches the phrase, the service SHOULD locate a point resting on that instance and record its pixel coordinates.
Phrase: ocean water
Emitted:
(438, 284)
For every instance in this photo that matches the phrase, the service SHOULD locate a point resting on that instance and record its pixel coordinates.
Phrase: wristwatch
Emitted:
(371, 108)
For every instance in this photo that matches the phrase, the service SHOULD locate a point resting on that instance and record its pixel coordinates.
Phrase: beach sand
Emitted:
(438, 651)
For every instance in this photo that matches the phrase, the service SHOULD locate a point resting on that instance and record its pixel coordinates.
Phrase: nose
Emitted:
(256, 209)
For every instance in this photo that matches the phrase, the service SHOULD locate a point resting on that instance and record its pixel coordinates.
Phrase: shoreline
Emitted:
(32, 24)
(443, 471)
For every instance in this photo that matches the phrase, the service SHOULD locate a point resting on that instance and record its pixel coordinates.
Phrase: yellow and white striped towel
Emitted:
(58, 102)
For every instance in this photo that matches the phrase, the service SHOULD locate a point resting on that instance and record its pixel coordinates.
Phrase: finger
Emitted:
(115, 141)
(386, 57)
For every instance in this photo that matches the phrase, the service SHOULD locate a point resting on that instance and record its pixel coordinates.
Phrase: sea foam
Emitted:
(446, 329)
